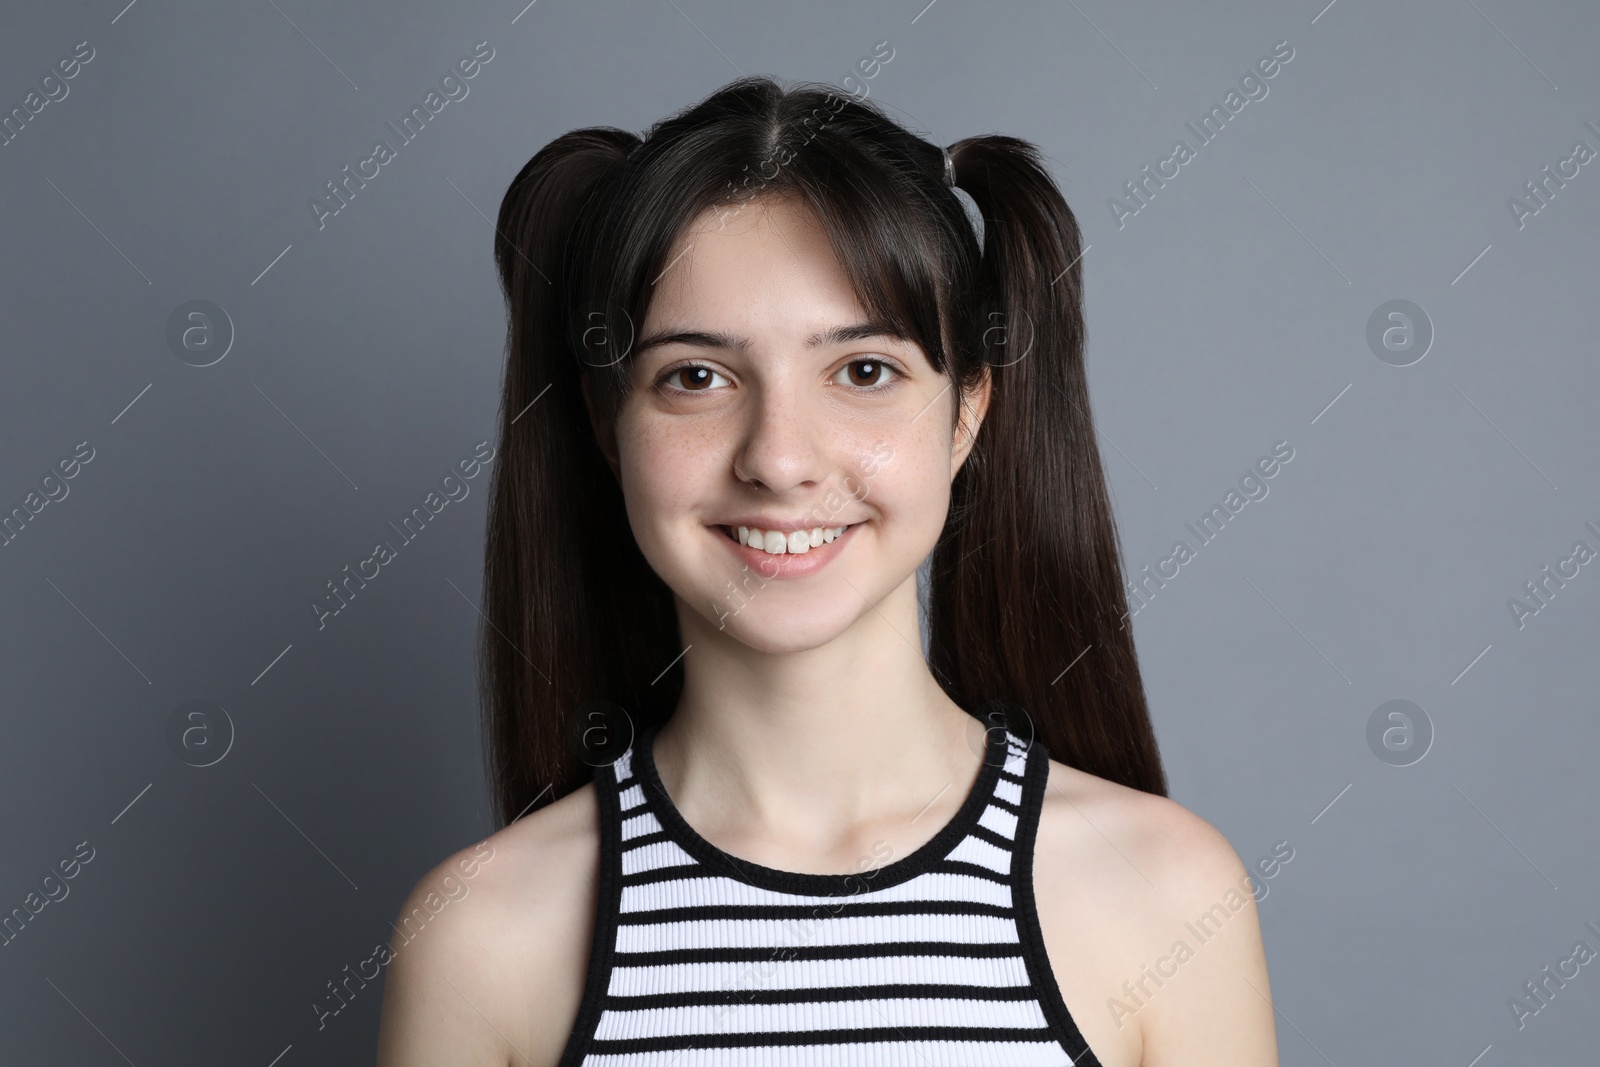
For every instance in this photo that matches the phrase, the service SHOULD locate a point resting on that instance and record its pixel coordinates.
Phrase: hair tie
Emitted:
(949, 168)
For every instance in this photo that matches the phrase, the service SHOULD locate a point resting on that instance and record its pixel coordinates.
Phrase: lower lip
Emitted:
(787, 564)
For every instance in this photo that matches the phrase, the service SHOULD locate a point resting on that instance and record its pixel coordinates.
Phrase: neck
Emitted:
(797, 759)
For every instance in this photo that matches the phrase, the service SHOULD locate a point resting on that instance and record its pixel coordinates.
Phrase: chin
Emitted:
(772, 630)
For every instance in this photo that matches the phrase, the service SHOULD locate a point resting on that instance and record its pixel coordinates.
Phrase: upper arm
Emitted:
(442, 997)
(1151, 929)
(1214, 1007)
(491, 947)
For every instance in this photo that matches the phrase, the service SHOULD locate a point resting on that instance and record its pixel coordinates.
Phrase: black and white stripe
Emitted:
(704, 960)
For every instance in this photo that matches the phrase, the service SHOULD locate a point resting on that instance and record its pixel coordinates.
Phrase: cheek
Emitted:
(663, 474)
(927, 497)
(911, 487)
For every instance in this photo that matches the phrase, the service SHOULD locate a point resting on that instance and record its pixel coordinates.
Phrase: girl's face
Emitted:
(763, 398)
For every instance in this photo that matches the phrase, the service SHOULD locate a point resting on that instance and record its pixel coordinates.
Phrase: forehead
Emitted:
(765, 262)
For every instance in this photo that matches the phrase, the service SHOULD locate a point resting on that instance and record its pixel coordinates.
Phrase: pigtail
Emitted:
(1026, 595)
(559, 551)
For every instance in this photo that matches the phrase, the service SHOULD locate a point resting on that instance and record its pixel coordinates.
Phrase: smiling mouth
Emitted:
(797, 543)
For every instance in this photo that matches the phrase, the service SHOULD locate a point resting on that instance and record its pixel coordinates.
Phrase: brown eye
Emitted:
(870, 374)
(694, 378)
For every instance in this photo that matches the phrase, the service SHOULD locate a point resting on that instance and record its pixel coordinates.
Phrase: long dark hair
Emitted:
(1026, 593)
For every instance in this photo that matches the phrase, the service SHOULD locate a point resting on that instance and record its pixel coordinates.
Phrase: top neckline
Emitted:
(919, 860)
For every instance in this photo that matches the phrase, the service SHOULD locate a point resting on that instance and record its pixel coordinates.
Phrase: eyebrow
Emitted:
(838, 335)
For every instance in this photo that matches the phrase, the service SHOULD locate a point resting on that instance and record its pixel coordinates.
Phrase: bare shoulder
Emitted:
(1150, 924)
(490, 950)
(1158, 839)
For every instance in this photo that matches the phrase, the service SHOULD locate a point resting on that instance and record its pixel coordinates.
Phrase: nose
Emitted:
(783, 444)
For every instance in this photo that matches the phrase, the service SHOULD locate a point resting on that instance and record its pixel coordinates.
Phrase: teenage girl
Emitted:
(762, 365)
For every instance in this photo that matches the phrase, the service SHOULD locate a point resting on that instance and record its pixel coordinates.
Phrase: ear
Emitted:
(605, 432)
(974, 406)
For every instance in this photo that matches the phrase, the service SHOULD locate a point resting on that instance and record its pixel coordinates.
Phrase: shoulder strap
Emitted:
(1033, 951)
(607, 905)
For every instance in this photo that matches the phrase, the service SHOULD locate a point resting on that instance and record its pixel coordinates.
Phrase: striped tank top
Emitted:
(702, 959)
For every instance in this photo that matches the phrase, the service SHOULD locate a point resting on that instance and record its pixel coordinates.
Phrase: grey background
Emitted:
(1227, 315)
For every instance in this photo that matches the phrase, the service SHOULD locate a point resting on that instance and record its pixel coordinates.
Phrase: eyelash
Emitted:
(898, 373)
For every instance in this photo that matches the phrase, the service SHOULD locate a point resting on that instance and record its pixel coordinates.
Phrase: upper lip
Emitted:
(782, 525)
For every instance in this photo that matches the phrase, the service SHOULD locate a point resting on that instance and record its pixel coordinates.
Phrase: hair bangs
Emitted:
(910, 258)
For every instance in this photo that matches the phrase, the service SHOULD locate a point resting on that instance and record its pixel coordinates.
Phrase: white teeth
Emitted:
(778, 543)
